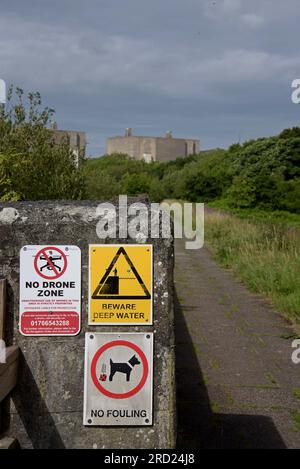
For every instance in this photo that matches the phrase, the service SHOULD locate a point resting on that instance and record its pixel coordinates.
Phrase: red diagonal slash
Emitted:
(49, 262)
(43, 252)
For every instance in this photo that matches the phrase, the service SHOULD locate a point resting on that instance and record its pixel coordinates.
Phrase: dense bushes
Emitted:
(31, 166)
(263, 173)
(267, 172)
(194, 177)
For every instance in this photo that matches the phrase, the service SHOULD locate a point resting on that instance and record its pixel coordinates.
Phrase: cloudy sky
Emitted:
(218, 70)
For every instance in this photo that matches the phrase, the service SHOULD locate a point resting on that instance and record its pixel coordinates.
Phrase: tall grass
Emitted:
(266, 257)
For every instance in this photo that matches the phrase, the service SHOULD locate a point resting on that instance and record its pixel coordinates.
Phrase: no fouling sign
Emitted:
(50, 290)
(118, 379)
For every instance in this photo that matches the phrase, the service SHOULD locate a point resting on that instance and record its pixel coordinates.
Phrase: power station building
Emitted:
(152, 149)
(75, 139)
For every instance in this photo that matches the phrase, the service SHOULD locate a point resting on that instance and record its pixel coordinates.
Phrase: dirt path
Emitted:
(235, 378)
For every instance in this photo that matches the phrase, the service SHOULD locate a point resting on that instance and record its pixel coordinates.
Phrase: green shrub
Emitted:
(31, 166)
(259, 174)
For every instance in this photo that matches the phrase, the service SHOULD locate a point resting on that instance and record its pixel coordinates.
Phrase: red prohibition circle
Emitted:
(44, 252)
(96, 357)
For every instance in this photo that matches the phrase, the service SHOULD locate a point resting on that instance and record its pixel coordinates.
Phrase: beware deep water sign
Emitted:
(50, 290)
(118, 379)
(120, 284)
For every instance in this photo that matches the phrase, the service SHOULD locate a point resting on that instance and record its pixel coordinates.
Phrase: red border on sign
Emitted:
(58, 274)
(96, 357)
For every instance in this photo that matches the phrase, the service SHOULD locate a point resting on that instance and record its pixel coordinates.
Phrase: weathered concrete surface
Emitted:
(237, 385)
(48, 401)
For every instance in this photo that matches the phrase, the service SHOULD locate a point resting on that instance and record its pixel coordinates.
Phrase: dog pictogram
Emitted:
(125, 367)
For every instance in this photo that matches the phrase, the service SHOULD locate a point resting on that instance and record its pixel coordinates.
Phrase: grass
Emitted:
(265, 256)
(270, 378)
(296, 419)
(262, 249)
(277, 217)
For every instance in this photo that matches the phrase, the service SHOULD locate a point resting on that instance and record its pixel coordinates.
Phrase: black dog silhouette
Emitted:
(123, 367)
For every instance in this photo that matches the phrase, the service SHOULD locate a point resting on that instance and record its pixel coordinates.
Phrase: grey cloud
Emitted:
(204, 68)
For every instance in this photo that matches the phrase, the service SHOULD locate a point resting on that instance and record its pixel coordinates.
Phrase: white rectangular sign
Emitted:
(50, 290)
(118, 379)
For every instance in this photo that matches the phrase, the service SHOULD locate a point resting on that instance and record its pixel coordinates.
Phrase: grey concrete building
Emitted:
(152, 149)
(76, 139)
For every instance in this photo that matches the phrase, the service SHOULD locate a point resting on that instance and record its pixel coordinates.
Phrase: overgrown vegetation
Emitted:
(31, 166)
(263, 174)
(266, 257)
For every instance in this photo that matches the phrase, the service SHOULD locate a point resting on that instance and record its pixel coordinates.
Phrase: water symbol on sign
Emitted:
(111, 282)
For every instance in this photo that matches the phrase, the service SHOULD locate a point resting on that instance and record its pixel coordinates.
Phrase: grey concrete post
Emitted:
(47, 404)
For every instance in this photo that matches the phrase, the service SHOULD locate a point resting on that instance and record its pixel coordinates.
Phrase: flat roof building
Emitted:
(152, 149)
(75, 139)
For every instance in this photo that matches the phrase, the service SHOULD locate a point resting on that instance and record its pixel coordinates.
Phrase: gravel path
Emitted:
(236, 384)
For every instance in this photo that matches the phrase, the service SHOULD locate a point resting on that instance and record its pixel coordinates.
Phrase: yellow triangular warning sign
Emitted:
(121, 281)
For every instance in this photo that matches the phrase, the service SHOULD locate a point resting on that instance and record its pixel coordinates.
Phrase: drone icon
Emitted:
(50, 262)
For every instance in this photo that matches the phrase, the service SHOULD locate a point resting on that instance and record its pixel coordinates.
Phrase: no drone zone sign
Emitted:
(118, 379)
(120, 284)
(50, 290)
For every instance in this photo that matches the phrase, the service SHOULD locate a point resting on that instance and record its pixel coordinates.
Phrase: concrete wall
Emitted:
(168, 149)
(193, 146)
(160, 148)
(133, 146)
(46, 408)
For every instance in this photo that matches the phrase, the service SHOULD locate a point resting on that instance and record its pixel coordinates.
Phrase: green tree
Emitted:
(32, 166)
(135, 184)
(241, 193)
